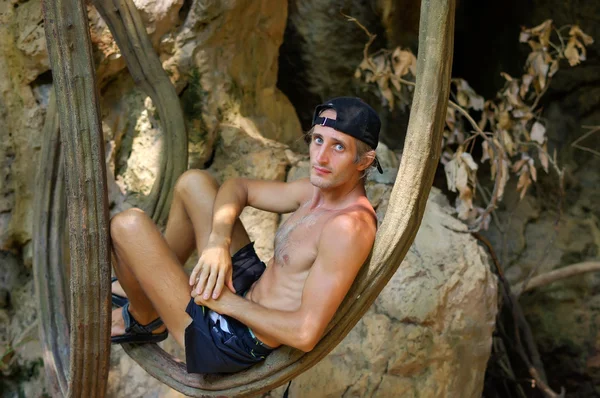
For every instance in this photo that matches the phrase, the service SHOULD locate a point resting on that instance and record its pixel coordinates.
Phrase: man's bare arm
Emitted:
(344, 246)
(213, 269)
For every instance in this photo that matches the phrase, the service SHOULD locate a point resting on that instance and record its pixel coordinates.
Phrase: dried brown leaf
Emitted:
(572, 54)
(538, 133)
(451, 170)
(542, 31)
(403, 62)
(365, 65)
(468, 159)
(506, 76)
(486, 153)
(467, 97)
(462, 177)
(538, 67)
(450, 117)
(524, 182)
(543, 158)
(503, 177)
(525, 82)
(532, 169)
(577, 32)
(512, 93)
(464, 204)
(380, 63)
(508, 142)
(519, 164)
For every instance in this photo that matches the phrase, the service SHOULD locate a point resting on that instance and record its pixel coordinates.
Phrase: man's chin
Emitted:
(319, 182)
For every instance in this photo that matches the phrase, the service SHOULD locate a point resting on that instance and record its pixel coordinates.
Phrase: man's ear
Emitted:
(366, 161)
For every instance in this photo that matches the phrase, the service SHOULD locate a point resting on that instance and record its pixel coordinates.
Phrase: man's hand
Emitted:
(213, 270)
(219, 305)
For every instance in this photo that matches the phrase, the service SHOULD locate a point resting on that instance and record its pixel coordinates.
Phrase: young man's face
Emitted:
(332, 155)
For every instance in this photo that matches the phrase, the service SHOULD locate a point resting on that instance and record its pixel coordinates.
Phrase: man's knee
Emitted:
(193, 180)
(128, 222)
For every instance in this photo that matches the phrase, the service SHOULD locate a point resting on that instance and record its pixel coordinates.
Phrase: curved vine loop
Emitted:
(69, 49)
(88, 214)
(51, 287)
(126, 26)
(85, 351)
(407, 205)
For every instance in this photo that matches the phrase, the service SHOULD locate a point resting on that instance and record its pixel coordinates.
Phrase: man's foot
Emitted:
(126, 329)
(119, 297)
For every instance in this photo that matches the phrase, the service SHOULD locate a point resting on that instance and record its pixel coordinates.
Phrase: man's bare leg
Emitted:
(149, 266)
(190, 216)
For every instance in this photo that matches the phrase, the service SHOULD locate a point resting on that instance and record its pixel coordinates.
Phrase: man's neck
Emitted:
(338, 197)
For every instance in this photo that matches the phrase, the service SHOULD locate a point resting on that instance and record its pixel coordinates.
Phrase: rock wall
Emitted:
(322, 50)
(546, 231)
(564, 316)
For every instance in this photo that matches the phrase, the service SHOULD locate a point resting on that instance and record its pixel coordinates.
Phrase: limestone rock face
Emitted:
(21, 117)
(322, 51)
(243, 152)
(226, 52)
(158, 16)
(564, 316)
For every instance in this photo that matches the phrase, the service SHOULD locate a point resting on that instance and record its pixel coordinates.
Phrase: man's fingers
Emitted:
(219, 285)
(230, 283)
(194, 274)
(210, 284)
(202, 279)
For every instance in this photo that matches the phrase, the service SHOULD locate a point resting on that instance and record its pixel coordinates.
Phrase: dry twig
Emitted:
(575, 144)
(534, 365)
(556, 275)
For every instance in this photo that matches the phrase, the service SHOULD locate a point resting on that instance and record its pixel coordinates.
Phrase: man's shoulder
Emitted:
(356, 221)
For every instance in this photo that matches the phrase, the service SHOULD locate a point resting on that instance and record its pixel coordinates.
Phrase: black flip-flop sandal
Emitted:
(138, 334)
(117, 300)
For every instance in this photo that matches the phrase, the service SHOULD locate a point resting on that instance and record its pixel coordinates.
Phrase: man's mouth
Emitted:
(321, 170)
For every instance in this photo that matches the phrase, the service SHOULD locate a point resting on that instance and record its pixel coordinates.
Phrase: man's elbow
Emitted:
(307, 340)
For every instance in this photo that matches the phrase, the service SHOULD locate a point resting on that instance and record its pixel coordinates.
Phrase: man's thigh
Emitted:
(139, 244)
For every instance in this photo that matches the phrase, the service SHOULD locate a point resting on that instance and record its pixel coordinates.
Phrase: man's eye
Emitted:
(318, 140)
(339, 147)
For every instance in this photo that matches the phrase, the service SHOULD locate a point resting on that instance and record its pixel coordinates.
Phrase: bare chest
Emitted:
(296, 240)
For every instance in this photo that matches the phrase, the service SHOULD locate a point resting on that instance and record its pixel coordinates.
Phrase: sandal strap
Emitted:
(132, 325)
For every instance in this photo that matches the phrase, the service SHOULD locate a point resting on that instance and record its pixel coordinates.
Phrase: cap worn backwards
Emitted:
(353, 117)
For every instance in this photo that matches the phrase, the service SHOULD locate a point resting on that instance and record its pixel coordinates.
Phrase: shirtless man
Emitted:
(239, 309)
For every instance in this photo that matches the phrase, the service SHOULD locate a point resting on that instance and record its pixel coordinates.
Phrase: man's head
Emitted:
(343, 139)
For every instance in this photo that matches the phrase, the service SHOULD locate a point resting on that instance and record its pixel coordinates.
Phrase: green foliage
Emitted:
(192, 105)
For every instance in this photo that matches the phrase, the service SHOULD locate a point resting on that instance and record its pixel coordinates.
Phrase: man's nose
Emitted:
(322, 155)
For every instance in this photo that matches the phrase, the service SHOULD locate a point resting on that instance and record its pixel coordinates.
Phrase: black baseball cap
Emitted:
(353, 117)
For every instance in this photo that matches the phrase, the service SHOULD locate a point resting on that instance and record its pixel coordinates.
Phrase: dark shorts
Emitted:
(208, 349)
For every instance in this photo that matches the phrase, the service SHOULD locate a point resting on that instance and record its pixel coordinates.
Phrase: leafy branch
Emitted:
(510, 132)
